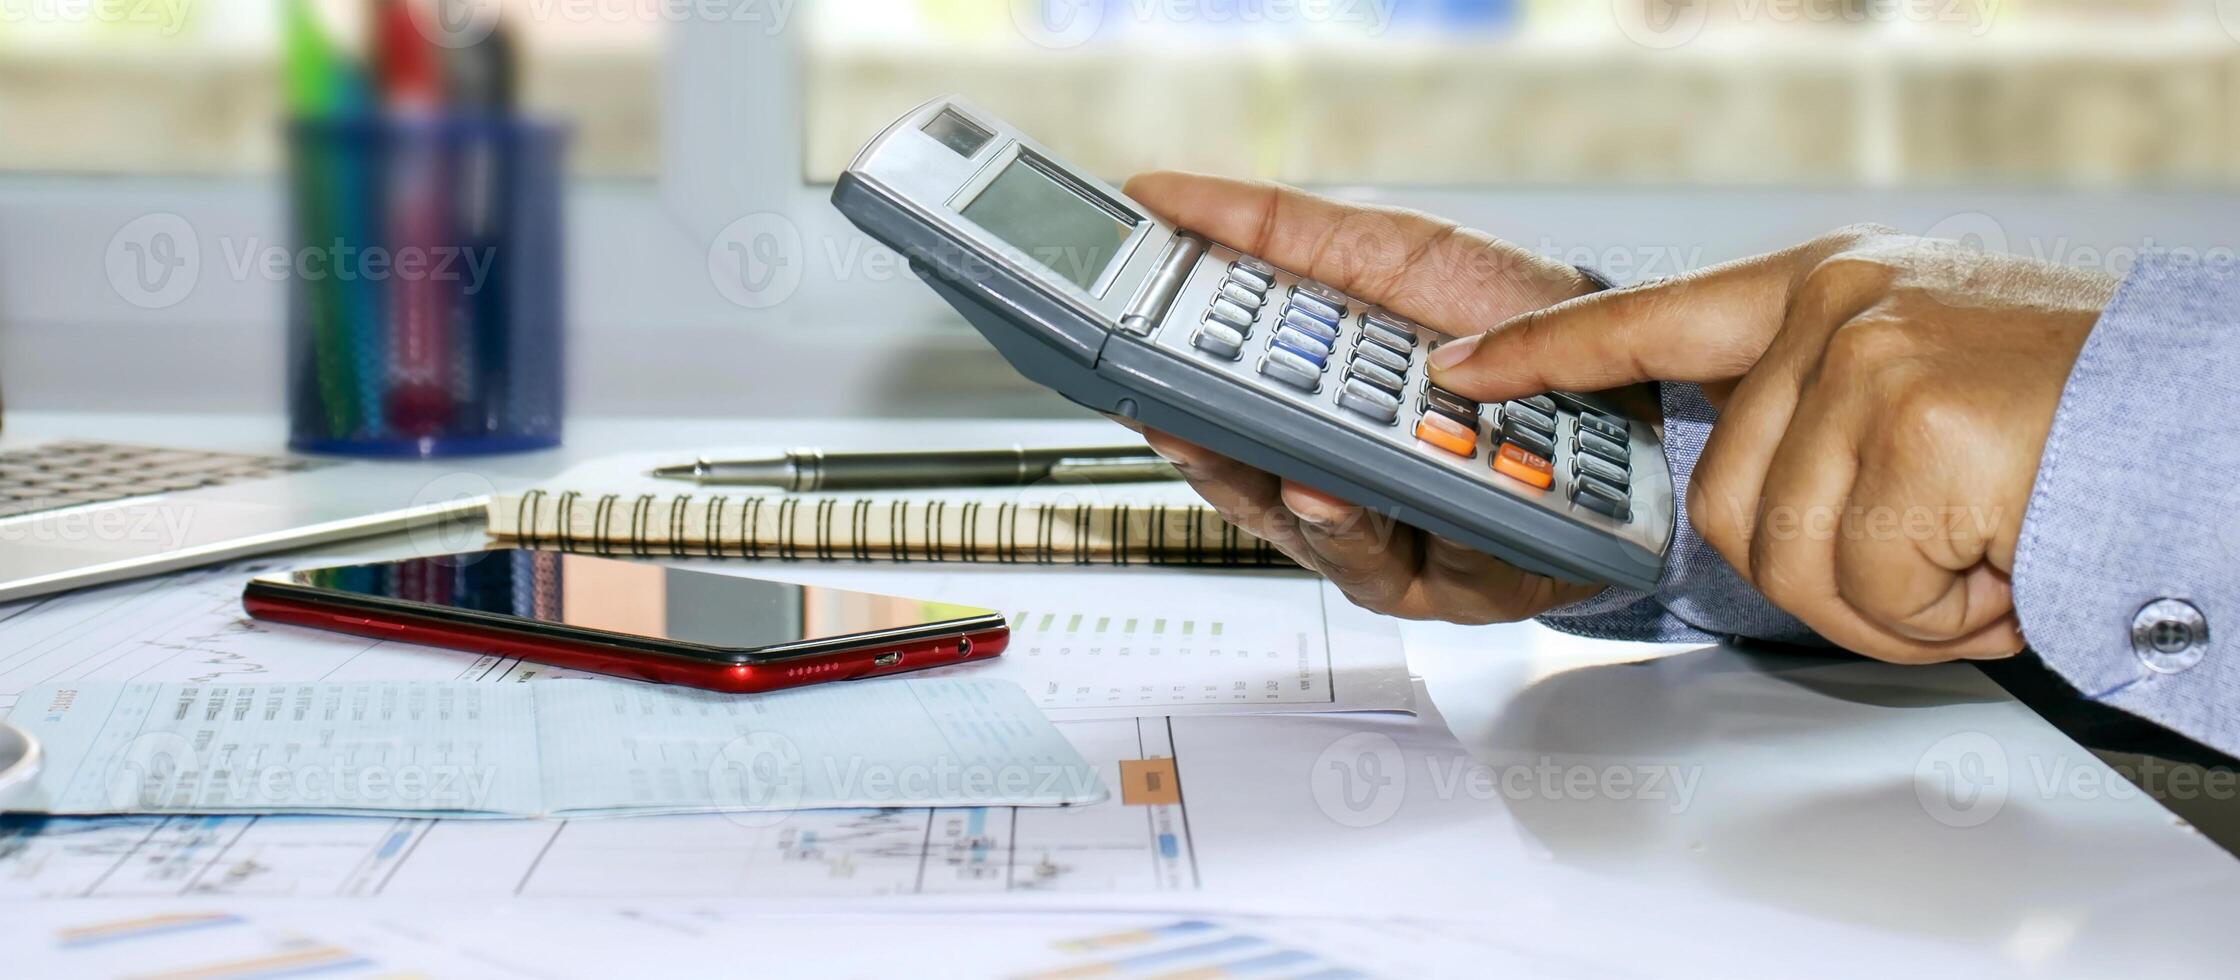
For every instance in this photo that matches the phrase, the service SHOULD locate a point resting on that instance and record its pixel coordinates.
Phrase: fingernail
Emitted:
(1312, 511)
(1180, 461)
(1453, 352)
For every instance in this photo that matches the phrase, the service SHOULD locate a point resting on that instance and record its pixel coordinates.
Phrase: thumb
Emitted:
(1708, 326)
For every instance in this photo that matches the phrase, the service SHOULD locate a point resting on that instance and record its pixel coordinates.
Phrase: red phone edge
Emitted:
(870, 660)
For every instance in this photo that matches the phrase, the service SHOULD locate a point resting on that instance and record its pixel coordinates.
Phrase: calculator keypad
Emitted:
(1289, 334)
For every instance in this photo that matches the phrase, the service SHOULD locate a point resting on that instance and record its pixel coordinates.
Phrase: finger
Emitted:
(1726, 489)
(1249, 498)
(1393, 569)
(1454, 279)
(1710, 326)
(1808, 491)
(1372, 561)
(1916, 569)
(1481, 588)
(1726, 492)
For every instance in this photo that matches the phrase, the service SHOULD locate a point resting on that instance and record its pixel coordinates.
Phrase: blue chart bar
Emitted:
(1192, 949)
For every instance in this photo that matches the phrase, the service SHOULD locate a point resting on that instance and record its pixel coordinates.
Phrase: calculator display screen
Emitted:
(1072, 235)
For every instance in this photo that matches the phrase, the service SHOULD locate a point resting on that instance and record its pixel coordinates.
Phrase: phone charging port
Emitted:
(887, 659)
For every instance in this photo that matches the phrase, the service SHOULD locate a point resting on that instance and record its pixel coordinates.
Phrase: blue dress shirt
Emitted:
(2130, 548)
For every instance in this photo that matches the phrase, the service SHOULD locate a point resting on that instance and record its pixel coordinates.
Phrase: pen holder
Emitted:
(424, 300)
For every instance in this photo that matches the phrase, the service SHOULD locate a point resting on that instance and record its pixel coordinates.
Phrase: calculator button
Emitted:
(1247, 298)
(1376, 374)
(1593, 494)
(1381, 356)
(1253, 273)
(1524, 466)
(1587, 441)
(1589, 464)
(1450, 403)
(1369, 401)
(1523, 434)
(1399, 339)
(1448, 434)
(1526, 413)
(1320, 291)
(1302, 345)
(1615, 428)
(1219, 339)
(1385, 336)
(1291, 368)
(1233, 315)
(1299, 320)
(1311, 303)
(1545, 404)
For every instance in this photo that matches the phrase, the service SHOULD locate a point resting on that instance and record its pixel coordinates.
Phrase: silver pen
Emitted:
(815, 469)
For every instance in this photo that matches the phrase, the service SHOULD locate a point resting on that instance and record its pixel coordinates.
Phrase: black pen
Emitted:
(814, 469)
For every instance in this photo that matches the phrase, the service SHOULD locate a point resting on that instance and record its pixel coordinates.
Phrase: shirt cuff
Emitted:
(2131, 522)
(1699, 598)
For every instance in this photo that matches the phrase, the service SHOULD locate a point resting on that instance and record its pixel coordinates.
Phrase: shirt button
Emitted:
(2169, 635)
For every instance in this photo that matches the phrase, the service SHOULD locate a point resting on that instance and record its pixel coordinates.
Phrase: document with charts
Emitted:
(1086, 642)
(576, 748)
(1117, 642)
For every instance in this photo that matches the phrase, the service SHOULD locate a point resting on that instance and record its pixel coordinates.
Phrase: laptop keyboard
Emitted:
(69, 474)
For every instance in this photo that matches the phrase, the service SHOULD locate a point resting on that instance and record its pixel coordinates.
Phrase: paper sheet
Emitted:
(575, 748)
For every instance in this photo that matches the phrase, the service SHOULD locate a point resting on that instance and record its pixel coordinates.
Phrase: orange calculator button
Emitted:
(1520, 464)
(1448, 434)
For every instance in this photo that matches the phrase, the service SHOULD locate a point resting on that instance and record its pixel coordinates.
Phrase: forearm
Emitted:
(2130, 549)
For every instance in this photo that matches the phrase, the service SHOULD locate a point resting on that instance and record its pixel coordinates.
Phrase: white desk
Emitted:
(1818, 781)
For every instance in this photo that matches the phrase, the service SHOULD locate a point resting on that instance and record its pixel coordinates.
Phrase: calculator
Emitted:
(1086, 292)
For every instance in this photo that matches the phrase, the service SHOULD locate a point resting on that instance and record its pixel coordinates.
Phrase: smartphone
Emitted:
(632, 618)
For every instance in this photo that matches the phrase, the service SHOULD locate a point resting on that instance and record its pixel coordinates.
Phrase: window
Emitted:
(194, 86)
(1795, 92)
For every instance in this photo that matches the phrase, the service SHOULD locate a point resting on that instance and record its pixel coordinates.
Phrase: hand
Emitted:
(1885, 403)
(1451, 279)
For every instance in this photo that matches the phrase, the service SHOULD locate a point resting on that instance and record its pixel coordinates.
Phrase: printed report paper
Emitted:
(572, 748)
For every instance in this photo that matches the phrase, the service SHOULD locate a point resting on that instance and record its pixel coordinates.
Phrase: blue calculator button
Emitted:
(1305, 323)
(1289, 367)
(1302, 345)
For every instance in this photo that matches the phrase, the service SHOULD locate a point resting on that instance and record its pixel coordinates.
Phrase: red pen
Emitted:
(409, 73)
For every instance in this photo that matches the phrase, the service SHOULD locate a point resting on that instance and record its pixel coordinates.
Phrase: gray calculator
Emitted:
(1086, 292)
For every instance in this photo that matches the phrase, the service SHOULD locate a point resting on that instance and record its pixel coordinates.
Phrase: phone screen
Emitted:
(633, 598)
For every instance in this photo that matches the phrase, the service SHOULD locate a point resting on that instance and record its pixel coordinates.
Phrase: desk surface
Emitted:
(1923, 801)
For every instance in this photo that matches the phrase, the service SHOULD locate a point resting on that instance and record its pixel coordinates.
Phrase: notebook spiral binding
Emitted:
(873, 529)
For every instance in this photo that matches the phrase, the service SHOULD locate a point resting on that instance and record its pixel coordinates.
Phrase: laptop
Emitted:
(77, 513)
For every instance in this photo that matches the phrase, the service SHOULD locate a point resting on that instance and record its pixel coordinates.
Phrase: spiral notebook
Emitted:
(610, 507)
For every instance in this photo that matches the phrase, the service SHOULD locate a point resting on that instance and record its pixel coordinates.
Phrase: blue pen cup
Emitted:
(424, 299)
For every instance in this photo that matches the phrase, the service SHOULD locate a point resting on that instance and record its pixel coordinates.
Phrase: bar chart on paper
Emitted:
(1094, 642)
(1101, 659)
(1137, 841)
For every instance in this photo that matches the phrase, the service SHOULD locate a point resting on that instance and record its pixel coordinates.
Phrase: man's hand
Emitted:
(1452, 279)
(1884, 403)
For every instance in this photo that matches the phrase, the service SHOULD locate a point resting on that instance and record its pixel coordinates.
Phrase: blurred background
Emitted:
(705, 272)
